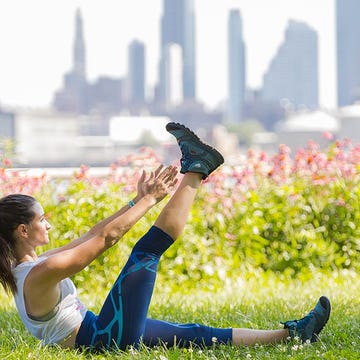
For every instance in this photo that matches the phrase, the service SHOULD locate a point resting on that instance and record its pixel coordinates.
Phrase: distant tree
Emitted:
(148, 139)
(245, 130)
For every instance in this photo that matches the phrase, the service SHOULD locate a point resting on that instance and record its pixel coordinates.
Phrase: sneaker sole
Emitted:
(172, 126)
(325, 303)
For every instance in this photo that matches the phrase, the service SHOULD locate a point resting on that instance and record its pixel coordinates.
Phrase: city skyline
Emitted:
(31, 46)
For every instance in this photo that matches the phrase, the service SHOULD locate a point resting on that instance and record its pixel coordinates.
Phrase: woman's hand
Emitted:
(158, 183)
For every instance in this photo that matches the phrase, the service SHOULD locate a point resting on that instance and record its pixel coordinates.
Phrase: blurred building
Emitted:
(7, 125)
(299, 128)
(106, 95)
(267, 112)
(73, 97)
(349, 117)
(173, 70)
(178, 27)
(293, 72)
(139, 130)
(136, 73)
(348, 51)
(44, 138)
(236, 69)
(319, 126)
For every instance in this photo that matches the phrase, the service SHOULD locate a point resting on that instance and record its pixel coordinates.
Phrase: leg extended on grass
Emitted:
(306, 329)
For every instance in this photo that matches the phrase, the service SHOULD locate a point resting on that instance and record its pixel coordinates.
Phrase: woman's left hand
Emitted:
(159, 182)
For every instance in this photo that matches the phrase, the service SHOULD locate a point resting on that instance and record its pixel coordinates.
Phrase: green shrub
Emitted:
(280, 214)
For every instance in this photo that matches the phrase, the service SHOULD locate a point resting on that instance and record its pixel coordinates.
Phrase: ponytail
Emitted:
(7, 278)
(15, 209)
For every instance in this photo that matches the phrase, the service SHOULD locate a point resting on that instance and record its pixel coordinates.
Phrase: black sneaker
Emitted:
(196, 156)
(309, 327)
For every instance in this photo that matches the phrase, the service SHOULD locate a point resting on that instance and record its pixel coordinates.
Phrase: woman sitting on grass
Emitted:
(47, 300)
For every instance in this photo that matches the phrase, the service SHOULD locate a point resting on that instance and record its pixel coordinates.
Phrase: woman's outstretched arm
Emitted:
(144, 185)
(75, 256)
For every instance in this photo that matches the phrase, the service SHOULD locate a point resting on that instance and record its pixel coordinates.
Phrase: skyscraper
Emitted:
(178, 27)
(293, 72)
(173, 75)
(348, 51)
(73, 97)
(136, 74)
(236, 74)
(79, 56)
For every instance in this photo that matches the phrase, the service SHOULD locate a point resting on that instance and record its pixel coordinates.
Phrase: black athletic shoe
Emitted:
(196, 156)
(309, 327)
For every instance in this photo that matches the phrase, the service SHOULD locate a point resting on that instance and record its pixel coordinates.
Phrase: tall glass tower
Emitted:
(348, 51)
(236, 76)
(293, 74)
(178, 27)
(79, 56)
(136, 72)
(73, 97)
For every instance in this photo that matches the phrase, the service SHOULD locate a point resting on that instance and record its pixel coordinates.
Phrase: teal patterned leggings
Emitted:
(123, 320)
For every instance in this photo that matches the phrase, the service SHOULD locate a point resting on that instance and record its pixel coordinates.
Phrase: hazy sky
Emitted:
(36, 39)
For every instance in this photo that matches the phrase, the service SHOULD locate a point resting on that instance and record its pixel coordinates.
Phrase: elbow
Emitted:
(113, 235)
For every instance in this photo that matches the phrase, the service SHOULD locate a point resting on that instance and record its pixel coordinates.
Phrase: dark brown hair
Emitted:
(15, 209)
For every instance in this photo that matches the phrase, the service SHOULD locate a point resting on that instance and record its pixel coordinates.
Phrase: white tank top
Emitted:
(70, 313)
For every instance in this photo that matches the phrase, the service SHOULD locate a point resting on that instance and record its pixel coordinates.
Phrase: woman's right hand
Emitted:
(158, 184)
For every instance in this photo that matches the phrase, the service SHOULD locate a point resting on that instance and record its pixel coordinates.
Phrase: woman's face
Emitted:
(39, 227)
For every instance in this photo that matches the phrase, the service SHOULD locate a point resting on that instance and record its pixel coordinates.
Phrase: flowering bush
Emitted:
(285, 213)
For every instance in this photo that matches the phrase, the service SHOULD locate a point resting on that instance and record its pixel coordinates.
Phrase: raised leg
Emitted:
(121, 321)
(174, 215)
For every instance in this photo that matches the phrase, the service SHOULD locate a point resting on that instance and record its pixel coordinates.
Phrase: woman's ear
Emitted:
(22, 231)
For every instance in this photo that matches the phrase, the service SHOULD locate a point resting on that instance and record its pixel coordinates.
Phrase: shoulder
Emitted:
(27, 265)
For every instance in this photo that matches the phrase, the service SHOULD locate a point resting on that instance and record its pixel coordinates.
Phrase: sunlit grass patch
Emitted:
(259, 302)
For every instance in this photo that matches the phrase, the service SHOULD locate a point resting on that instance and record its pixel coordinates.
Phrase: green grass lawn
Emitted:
(253, 300)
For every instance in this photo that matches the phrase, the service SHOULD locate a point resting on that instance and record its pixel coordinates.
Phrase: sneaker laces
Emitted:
(306, 318)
